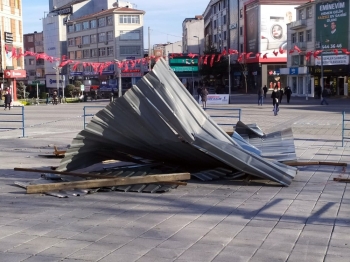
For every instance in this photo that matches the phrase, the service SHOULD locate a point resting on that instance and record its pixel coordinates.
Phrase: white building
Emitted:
(193, 35)
(116, 33)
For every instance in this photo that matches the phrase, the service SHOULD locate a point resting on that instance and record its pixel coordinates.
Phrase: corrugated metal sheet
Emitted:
(159, 120)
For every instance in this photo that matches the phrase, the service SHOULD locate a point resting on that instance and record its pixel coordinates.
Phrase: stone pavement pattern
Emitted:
(217, 221)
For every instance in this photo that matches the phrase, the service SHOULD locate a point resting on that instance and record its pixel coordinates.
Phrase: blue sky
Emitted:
(163, 17)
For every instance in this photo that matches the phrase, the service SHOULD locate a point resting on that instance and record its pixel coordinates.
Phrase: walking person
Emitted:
(324, 95)
(204, 96)
(275, 101)
(260, 96)
(265, 90)
(8, 100)
(54, 98)
(199, 91)
(288, 93)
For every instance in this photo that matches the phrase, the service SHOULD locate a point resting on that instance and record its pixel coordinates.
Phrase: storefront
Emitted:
(335, 78)
(299, 80)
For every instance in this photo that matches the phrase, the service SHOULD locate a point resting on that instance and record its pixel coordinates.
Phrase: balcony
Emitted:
(302, 46)
(299, 24)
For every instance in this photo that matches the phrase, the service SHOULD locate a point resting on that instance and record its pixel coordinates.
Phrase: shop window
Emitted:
(241, 30)
(301, 37)
(294, 38)
(309, 35)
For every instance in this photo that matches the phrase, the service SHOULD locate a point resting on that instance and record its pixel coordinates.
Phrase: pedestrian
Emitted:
(199, 91)
(0, 93)
(47, 98)
(265, 90)
(260, 96)
(204, 96)
(324, 95)
(275, 100)
(288, 93)
(281, 95)
(8, 100)
(54, 98)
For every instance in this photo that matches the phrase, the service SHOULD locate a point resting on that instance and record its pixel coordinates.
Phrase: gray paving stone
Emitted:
(228, 256)
(305, 257)
(118, 256)
(336, 258)
(263, 255)
(14, 240)
(13, 257)
(308, 248)
(139, 246)
(88, 255)
(42, 259)
(159, 253)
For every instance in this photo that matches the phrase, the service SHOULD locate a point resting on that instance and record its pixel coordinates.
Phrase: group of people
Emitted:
(7, 97)
(277, 96)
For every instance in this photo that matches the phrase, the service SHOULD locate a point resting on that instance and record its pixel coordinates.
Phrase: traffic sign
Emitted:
(34, 82)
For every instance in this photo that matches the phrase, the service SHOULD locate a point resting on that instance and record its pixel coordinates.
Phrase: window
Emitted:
(31, 62)
(110, 20)
(110, 35)
(101, 22)
(130, 50)
(93, 52)
(130, 35)
(70, 41)
(86, 39)
(31, 49)
(86, 53)
(225, 35)
(241, 13)
(308, 35)
(71, 55)
(71, 28)
(224, 4)
(32, 73)
(301, 14)
(93, 39)
(110, 51)
(77, 40)
(219, 6)
(298, 60)
(215, 39)
(294, 38)
(301, 37)
(77, 27)
(30, 39)
(129, 19)
(93, 24)
(224, 18)
(214, 23)
(101, 37)
(40, 62)
(241, 30)
(78, 54)
(309, 12)
(86, 25)
(214, 9)
(241, 48)
(102, 51)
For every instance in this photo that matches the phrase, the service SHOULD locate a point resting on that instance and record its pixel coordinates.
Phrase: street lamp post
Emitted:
(229, 78)
(199, 48)
(58, 71)
(120, 91)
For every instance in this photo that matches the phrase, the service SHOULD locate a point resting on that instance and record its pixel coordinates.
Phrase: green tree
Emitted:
(69, 90)
(21, 90)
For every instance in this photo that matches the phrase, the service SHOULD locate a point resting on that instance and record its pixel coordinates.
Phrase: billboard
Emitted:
(332, 24)
(273, 27)
(252, 29)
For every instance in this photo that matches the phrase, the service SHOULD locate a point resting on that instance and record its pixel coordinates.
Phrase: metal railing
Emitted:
(344, 128)
(9, 113)
(88, 115)
(236, 115)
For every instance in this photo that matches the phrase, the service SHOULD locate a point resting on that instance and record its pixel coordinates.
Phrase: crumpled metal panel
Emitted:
(158, 119)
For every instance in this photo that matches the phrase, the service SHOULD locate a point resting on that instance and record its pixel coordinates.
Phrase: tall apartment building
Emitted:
(55, 29)
(115, 33)
(34, 42)
(193, 35)
(11, 43)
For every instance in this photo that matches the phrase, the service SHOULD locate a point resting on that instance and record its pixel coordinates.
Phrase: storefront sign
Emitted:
(137, 74)
(76, 73)
(335, 69)
(52, 82)
(34, 82)
(64, 11)
(216, 100)
(294, 71)
(333, 60)
(15, 73)
(8, 37)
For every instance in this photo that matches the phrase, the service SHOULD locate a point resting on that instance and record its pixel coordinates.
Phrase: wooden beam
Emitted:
(42, 188)
(338, 179)
(315, 163)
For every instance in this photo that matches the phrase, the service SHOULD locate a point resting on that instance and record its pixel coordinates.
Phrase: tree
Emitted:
(21, 90)
(244, 69)
(69, 89)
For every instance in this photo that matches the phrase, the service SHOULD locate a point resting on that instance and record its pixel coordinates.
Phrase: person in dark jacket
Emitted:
(260, 96)
(281, 95)
(288, 93)
(8, 100)
(275, 101)
(265, 90)
(204, 96)
(324, 95)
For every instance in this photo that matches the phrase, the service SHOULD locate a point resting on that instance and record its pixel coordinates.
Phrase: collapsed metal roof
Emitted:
(157, 119)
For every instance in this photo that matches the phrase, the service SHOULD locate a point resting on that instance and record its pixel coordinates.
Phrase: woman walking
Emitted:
(8, 100)
(275, 101)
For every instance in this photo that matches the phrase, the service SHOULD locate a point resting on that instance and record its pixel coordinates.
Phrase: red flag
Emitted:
(308, 55)
(75, 66)
(240, 58)
(205, 62)
(212, 60)
(335, 51)
(14, 52)
(316, 53)
(297, 48)
(281, 50)
(6, 49)
(218, 58)
(275, 53)
(223, 52)
(64, 57)
(344, 50)
(248, 55)
(265, 56)
(291, 51)
(200, 60)
(231, 52)
(257, 55)
(191, 55)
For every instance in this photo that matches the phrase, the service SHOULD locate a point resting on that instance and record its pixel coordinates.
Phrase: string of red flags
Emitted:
(130, 65)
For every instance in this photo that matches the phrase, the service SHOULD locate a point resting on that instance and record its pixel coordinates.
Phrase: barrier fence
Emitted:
(89, 114)
(344, 128)
(8, 116)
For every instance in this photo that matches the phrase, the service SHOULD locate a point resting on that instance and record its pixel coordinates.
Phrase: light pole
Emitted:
(229, 78)
(120, 91)
(199, 48)
(58, 70)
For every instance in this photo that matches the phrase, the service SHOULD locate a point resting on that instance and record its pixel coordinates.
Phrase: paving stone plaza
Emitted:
(204, 221)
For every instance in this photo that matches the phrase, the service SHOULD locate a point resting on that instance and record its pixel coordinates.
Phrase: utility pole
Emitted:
(229, 78)
(149, 49)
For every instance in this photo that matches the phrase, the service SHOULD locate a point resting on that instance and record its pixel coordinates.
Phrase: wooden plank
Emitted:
(42, 188)
(64, 173)
(177, 183)
(338, 179)
(333, 164)
(322, 163)
(58, 153)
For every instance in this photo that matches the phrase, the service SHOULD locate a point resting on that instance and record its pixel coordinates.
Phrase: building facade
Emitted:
(11, 38)
(106, 36)
(320, 33)
(193, 35)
